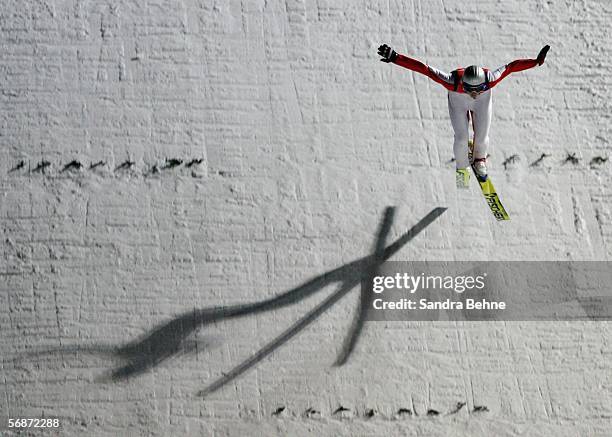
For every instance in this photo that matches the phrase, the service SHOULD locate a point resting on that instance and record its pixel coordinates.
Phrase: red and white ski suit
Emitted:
(459, 102)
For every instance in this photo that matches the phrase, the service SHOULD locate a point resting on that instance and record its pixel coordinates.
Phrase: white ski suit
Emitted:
(460, 102)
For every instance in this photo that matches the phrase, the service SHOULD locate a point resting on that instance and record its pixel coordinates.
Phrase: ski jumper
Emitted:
(459, 102)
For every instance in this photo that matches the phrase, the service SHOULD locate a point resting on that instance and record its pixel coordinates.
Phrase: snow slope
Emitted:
(293, 139)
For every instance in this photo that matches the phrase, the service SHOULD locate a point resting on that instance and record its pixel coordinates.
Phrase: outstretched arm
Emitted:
(519, 65)
(441, 77)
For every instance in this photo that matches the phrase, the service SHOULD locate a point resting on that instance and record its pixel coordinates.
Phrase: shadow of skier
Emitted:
(173, 337)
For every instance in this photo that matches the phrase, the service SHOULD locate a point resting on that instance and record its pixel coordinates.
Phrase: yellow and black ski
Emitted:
(495, 205)
(488, 190)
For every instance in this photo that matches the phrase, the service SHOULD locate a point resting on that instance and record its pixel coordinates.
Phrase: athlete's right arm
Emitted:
(441, 77)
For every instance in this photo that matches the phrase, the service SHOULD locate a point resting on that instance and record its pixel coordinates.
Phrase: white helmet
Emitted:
(474, 79)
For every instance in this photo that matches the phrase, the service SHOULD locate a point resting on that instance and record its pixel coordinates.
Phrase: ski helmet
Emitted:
(474, 79)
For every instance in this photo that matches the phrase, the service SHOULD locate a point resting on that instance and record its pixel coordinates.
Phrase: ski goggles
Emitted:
(475, 88)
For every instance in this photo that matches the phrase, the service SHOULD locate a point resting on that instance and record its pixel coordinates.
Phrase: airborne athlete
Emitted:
(469, 90)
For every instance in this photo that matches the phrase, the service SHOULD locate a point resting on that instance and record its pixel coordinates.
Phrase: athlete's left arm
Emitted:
(498, 75)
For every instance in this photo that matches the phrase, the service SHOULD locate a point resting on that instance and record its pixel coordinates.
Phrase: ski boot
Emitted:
(462, 177)
(480, 168)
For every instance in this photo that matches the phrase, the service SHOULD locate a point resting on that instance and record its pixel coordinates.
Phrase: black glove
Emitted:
(387, 53)
(542, 54)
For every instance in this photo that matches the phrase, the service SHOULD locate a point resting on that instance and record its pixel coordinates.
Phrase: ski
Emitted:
(490, 195)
